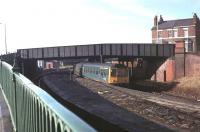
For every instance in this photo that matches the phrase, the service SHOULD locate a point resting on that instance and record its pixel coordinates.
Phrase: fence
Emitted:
(34, 110)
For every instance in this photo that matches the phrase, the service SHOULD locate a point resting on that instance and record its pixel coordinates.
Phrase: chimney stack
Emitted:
(195, 19)
(155, 20)
(161, 19)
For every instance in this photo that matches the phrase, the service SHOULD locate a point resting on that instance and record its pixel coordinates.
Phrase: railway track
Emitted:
(86, 104)
(176, 113)
(172, 111)
(98, 123)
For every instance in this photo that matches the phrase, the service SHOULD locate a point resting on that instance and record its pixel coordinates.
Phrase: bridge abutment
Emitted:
(30, 68)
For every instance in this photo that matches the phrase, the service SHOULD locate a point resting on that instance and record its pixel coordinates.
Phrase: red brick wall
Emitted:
(168, 66)
(192, 64)
(154, 34)
(180, 32)
(198, 36)
(179, 44)
(191, 31)
(49, 65)
(177, 68)
(170, 70)
(179, 65)
(165, 34)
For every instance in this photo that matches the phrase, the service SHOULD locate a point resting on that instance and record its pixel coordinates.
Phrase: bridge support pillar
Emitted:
(131, 68)
(30, 68)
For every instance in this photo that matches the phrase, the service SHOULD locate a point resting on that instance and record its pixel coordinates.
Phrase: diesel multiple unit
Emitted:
(107, 73)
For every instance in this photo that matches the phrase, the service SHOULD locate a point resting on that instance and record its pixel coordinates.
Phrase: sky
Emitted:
(47, 23)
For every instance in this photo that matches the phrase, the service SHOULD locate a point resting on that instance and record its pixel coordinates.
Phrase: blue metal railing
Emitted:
(34, 110)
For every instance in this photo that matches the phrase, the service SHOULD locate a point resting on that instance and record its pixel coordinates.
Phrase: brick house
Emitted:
(185, 33)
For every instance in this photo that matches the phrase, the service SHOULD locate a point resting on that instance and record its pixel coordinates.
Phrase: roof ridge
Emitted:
(179, 19)
(174, 23)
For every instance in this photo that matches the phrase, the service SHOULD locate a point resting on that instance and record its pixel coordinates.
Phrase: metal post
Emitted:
(157, 29)
(1, 56)
(101, 59)
(70, 75)
(16, 113)
(5, 38)
(5, 41)
(39, 83)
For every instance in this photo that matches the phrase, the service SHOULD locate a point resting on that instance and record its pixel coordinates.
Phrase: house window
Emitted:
(188, 45)
(159, 34)
(185, 30)
(170, 33)
(49, 66)
(175, 33)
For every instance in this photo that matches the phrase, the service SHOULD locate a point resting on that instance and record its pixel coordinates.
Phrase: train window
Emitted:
(101, 72)
(87, 69)
(97, 71)
(90, 69)
(93, 70)
(106, 72)
(122, 72)
(113, 72)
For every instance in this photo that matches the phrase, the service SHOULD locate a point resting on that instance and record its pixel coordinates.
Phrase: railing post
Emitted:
(1, 75)
(19, 98)
(15, 89)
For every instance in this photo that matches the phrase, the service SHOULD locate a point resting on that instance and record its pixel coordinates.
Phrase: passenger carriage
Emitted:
(107, 73)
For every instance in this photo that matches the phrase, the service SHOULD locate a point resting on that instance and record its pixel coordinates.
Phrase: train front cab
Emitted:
(119, 76)
(78, 69)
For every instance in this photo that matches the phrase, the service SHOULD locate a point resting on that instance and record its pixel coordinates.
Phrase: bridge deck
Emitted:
(96, 50)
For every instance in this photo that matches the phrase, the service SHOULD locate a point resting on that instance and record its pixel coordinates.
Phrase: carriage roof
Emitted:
(103, 65)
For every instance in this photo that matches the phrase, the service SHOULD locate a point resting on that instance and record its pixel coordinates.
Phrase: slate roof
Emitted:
(174, 23)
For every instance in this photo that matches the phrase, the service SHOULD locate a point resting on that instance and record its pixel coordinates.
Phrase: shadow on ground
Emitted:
(152, 86)
(100, 113)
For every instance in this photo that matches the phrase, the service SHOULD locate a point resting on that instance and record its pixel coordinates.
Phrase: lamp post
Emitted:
(5, 38)
(6, 48)
(157, 28)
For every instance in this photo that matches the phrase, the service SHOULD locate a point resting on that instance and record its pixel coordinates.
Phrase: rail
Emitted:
(34, 110)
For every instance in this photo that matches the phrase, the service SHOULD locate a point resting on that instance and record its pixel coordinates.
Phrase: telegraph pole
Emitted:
(157, 29)
(6, 48)
(5, 43)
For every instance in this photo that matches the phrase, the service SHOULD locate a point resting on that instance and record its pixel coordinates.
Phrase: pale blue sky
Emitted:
(43, 23)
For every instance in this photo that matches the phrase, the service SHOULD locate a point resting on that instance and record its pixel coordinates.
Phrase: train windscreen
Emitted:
(119, 72)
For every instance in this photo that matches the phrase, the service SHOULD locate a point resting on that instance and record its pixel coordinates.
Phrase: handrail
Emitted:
(34, 110)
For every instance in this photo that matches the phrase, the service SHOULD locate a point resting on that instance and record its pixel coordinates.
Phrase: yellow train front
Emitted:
(118, 75)
(107, 73)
